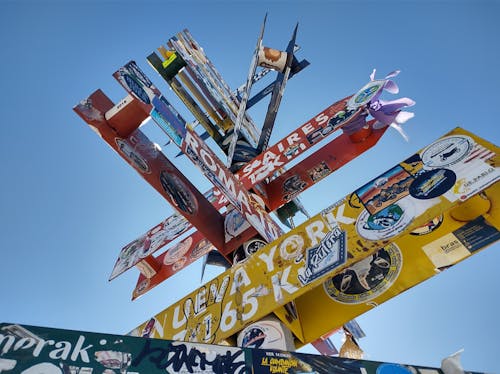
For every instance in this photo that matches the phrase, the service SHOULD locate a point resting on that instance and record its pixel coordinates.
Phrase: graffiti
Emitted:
(181, 358)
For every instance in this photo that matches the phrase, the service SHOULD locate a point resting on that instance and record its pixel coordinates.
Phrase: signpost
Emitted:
(424, 215)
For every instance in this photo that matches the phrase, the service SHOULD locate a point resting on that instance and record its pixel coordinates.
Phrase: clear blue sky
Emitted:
(69, 203)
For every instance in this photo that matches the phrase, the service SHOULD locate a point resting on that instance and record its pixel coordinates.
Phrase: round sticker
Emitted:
(366, 279)
(260, 334)
(175, 253)
(252, 246)
(433, 183)
(447, 151)
(386, 223)
(178, 192)
(428, 227)
(204, 246)
(365, 94)
(135, 159)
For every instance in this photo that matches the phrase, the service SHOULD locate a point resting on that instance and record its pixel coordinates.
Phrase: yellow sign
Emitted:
(397, 202)
(410, 260)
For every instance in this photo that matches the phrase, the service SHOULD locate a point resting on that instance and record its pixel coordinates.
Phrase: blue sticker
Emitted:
(433, 183)
(326, 256)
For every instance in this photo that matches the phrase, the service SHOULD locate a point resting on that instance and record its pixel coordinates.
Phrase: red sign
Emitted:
(154, 167)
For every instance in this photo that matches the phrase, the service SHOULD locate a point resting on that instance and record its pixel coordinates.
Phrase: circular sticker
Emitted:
(433, 183)
(253, 338)
(428, 227)
(178, 192)
(386, 223)
(365, 94)
(291, 247)
(204, 246)
(252, 246)
(447, 151)
(366, 279)
(260, 334)
(175, 253)
(135, 159)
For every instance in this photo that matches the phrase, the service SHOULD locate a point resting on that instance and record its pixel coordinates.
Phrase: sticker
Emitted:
(292, 151)
(252, 246)
(254, 338)
(291, 247)
(433, 183)
(292, 187)
(366, 279)
(141, 287)
(319, 171)
(261, 335)
(388, 188)
(428, 227)
(387, 223)
(447, 151)
(338, 120)
(135, 159)
(315, 136)
(234, 224)
(149, 328)
(445, 251)
(477, 234)
(109, 359)
(137, 83)
(484, 175)
(365, 94)
(203, 246)
(272, 58)
(175, 253)
(323, 258)
(178, 192)
(146, 269)
(179, 264)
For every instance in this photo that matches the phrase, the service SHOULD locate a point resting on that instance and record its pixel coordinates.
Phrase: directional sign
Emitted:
(430, 249)
(34, 350)
(200, 154)
(149, 162)
(411, 194)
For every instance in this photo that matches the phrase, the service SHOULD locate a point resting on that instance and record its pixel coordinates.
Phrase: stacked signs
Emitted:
(354, 255)
(118, 126)
(35, 350)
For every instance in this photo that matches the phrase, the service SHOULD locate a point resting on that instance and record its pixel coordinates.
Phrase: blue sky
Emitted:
(69, 204)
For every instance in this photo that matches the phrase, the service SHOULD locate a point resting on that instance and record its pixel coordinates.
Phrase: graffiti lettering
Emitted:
(181, 358)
